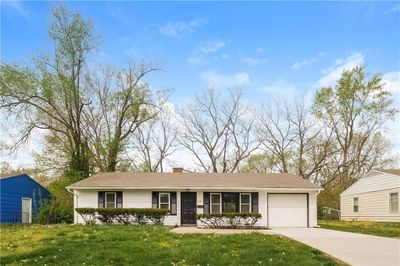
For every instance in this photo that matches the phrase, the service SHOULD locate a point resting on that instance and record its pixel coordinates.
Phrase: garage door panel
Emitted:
(287, 210)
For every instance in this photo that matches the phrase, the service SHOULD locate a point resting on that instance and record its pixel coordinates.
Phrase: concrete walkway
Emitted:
(355, 249)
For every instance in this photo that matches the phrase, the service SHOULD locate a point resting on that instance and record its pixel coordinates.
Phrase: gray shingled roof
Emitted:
(390, 171)
(193, 180)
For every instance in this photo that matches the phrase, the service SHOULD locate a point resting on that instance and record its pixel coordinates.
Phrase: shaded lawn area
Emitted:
(370, 228)
(147, 245)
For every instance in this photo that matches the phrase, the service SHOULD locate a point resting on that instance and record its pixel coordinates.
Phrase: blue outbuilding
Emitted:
(20, 198)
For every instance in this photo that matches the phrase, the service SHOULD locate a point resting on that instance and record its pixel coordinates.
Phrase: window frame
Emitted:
(220, 202)
(106, 201)
(391, 210)
(240, 201)
(354, 205)
(169, 200)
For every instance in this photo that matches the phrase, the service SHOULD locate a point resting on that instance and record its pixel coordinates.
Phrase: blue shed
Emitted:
(20, 198)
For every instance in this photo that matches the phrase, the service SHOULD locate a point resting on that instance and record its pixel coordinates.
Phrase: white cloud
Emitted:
(197, 60)
(249, 60)
(333, 73)
(395, 8)
(132, 51)
(260, 50)
(210, 46)
(15, 6)
(219, 80)
(226, 56)
(176, 29)
(392, 81)
(298, 65)
(198, 56)
(253, 60)
(281, 90)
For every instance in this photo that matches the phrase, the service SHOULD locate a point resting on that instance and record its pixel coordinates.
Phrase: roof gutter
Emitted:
(195, 188)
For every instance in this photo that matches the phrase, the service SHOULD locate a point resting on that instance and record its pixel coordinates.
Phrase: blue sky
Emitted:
(269, 49)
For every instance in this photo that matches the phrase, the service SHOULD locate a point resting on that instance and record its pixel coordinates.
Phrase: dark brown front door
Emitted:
(188, 208)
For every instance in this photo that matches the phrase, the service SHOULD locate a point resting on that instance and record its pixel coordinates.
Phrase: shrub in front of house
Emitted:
(229, 220)
(52, 212)
(123, 215)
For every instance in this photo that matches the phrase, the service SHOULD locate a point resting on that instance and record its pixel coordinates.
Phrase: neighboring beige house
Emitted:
(374, 197)
(283, 200)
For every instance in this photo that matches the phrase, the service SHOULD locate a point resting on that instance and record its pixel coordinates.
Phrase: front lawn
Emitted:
(369, 228)
(147, 245)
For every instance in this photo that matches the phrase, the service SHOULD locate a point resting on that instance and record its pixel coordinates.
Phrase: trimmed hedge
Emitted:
(123, 215)
(229, 220)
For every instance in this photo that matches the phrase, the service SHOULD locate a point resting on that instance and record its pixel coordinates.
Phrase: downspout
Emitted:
(74, 195)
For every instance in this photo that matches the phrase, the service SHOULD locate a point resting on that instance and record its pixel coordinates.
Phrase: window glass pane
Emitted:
(355, 204)
(110, 200)
(245, 208)
(215, 198)
(230, 202)
(164, 198)
(164, 206)
(245, 198)
(394, 202)
(215, 208)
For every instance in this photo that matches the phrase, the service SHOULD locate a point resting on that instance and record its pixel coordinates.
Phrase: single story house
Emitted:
(374, 197)
(20, 198)
(283, 200)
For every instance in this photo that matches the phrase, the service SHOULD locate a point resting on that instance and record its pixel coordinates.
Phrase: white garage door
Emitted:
(287, 210)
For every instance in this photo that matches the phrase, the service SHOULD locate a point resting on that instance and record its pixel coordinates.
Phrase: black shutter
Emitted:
(254, 202)
(119, 199)
(101, 199)
(206, 202)
(173, 203)
(154, 200)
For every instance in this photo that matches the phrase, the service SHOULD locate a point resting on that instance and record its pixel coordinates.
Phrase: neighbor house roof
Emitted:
(2, 176)
(390, 171)
(193, 180)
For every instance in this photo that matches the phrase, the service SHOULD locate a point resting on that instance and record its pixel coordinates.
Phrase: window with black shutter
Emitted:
(254, 202)
(101, 199)
(164, 200)
(173, 203)
(110, 199)
(206, 202)
(119, 199)
(154, 200)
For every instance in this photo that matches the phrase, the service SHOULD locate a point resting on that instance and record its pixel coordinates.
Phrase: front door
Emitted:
(188, 208)
(26, 215)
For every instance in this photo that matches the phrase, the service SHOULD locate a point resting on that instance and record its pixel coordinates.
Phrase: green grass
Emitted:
(147, 245)
(369, 228)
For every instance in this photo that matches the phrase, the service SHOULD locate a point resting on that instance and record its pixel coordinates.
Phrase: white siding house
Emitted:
(375, 197)
(283, 200)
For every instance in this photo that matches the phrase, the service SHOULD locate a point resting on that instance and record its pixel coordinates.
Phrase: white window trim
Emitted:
(105, 199)
(358, 205)
(240, 201)
(169, 199)
(390, 203)
(30, 208)
(220, 201)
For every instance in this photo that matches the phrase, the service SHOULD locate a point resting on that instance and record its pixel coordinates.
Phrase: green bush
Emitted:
(51, 212)
(123, 215)
(229, 220)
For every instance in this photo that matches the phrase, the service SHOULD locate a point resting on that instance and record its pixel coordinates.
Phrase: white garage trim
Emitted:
(269, 212)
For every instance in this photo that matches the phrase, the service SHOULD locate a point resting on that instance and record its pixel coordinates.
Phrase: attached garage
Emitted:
(287, 210)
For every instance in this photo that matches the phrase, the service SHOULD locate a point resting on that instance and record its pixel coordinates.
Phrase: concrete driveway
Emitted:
(355, 249)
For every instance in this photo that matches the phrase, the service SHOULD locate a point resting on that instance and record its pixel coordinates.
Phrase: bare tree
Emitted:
(122, 103)
(153, 143)
(277, 134)
(218, 132)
